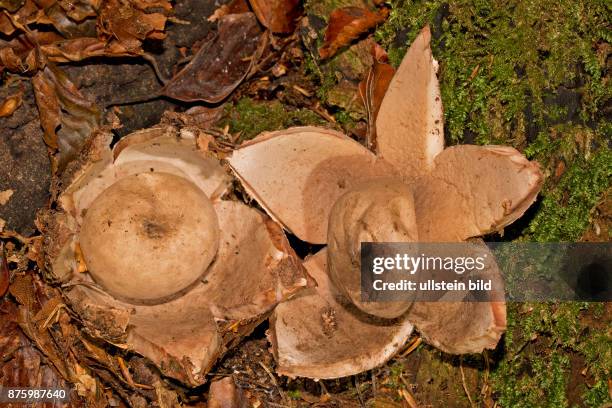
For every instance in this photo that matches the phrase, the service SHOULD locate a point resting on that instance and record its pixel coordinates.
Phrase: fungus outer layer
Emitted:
(320, 334)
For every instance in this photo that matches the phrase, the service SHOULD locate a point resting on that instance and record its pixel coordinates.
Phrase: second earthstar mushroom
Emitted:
(156, 261)
(326, 188)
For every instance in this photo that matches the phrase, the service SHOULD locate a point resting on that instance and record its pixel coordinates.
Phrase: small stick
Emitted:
(413, 345)
(357, 386)
(282, 394)
(464, 383)
(125, 371)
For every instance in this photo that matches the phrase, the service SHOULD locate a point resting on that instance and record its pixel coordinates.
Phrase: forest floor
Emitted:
(533, 75)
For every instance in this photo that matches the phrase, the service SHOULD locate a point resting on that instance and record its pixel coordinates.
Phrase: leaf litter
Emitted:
(100, 321)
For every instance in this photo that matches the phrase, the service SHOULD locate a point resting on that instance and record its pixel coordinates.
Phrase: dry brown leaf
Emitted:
(221, 65)
(233, 7)
(224, 393)
(347, 24)
(5, 196)
(19, 55)
(10, 105)
(4, 272)
(128, 24)
(28, 13)
(67, 117)
(373, 88)
(279, 16)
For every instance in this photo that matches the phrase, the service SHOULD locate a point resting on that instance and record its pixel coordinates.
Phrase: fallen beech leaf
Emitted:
(130, 23)
(372, 91)
(225, 394)
(4, 272)
(233, 7)
(221, 65)
(27, 12)
(279, 16)
(19, 54)
(410, 122)
(346, 24)
(5, 196)
(66, 116)
(10, 105)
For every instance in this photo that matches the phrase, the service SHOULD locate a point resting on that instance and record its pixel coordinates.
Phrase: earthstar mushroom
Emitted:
(327, 189)
(172, 271)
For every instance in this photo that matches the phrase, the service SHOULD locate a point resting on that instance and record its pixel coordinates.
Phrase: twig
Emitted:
(408, 398)
(125, 371)
(464, 383)
(413, 345)
(280, 391)
(357, 386)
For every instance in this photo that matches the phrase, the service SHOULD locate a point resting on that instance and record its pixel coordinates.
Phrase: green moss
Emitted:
(541, 338)
(565, 209)
(249, 117)
(502, 64)
(531, 74)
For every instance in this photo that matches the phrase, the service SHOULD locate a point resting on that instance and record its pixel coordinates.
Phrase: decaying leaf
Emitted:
(410, 122)
(279, 16)
(372, 90)
(225, 394)
(430, 195)
(5, 196)
(213, 269)
(222, 64)
(23, 53)
(67, 117)
(10, 105)
(347, 24)
(4, 271)
(129, 23)
(66, 17)
(319, 334)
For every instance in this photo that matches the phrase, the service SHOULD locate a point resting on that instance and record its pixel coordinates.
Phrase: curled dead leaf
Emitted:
(67, 117)
(222, 64)
(5, 196)
(224, 393)
(10, 105)
(4, 271)
(372, 90)
(279, 16)
(127, 24)
(347, 24)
